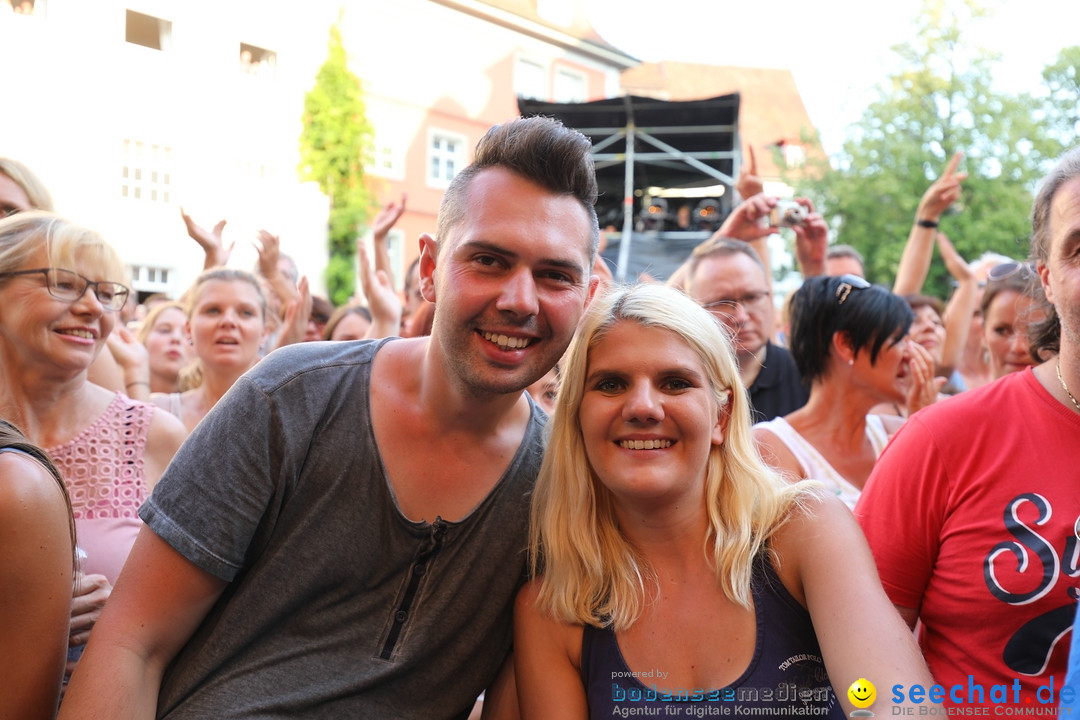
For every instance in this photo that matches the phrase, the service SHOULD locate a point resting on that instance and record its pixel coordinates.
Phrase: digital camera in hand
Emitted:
(787, 214)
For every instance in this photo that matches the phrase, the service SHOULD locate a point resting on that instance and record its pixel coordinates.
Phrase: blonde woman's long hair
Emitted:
(590, 572)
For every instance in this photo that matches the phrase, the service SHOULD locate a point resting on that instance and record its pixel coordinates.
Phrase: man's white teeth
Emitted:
(79, 333)
(645, 444)
(506, 343)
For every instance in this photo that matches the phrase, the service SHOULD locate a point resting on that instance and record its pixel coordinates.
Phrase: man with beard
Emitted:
(343, 535)
(971, 512)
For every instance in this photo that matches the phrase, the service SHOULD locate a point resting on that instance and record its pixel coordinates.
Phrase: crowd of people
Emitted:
(518, 481)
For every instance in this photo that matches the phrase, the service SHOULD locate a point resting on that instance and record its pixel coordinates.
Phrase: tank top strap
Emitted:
(876, 433)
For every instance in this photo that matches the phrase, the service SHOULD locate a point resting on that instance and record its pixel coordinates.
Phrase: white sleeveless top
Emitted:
(815, 466)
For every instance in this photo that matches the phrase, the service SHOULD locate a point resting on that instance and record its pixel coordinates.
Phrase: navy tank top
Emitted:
(786, 675)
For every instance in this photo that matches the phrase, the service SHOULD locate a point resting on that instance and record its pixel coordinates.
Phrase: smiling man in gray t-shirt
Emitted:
(343, 534)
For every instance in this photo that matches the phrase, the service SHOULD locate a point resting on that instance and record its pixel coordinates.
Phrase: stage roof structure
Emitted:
(642, 145)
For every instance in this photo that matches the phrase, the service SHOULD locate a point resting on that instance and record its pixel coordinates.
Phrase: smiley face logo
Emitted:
(862, 693)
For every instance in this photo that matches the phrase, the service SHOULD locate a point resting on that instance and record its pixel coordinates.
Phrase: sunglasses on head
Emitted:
(1008, 269)
(849, 282)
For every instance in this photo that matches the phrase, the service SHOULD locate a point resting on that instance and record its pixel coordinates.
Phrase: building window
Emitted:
(146, 280)
(148, 31)
(388, 158)
(146, 172)
(254, 170)
(446, 153)
(570, 86)
(257, 61)
(530, 79)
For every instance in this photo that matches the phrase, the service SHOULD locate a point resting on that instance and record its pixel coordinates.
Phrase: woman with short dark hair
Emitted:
(850, 343)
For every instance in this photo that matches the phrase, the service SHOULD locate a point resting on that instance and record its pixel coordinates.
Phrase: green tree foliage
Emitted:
(334, 145)
(938, 102)
(1062, 79)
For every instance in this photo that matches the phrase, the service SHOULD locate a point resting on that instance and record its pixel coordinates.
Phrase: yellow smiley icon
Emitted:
(862, 693)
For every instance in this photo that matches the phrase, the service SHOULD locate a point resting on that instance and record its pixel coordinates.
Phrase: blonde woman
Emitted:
(677, 568)
(167, 347)
(226, 323)
(60, 296)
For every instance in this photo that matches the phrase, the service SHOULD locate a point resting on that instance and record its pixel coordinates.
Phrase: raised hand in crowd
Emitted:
(915, 260)
(381, 298)
(745, 221)
(811, 240)
(380, 231)
(297, 313)
(749, 183)
(943, 192)
(923, 386)
(268, 246)
(133, 360)
(216, 252)
(961, 307)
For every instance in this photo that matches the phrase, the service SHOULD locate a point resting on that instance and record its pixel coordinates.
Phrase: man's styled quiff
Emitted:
(539, 149)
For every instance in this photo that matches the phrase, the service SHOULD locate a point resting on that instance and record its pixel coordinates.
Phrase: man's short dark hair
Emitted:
(539, 149)
(720, 246)
(845, 251)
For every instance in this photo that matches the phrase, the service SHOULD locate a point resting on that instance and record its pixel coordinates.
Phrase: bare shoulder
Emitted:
(167, 432)
(885, 410)
(160, 400)
(525, 605)
(892, 423)
(777, 455)
(32, 505)
(26, 485)
(547, 661)
(817, 527)
(396, 371)
(530, 618)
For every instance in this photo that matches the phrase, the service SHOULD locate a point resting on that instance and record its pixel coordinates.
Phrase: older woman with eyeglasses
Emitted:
(59, 298)
(850, 343)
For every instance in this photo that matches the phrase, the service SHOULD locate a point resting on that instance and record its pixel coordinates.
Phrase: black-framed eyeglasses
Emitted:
(70, 286)
(848, 283)
(748, 301)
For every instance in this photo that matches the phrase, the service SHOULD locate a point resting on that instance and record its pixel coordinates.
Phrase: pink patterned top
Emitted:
(106, 478)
